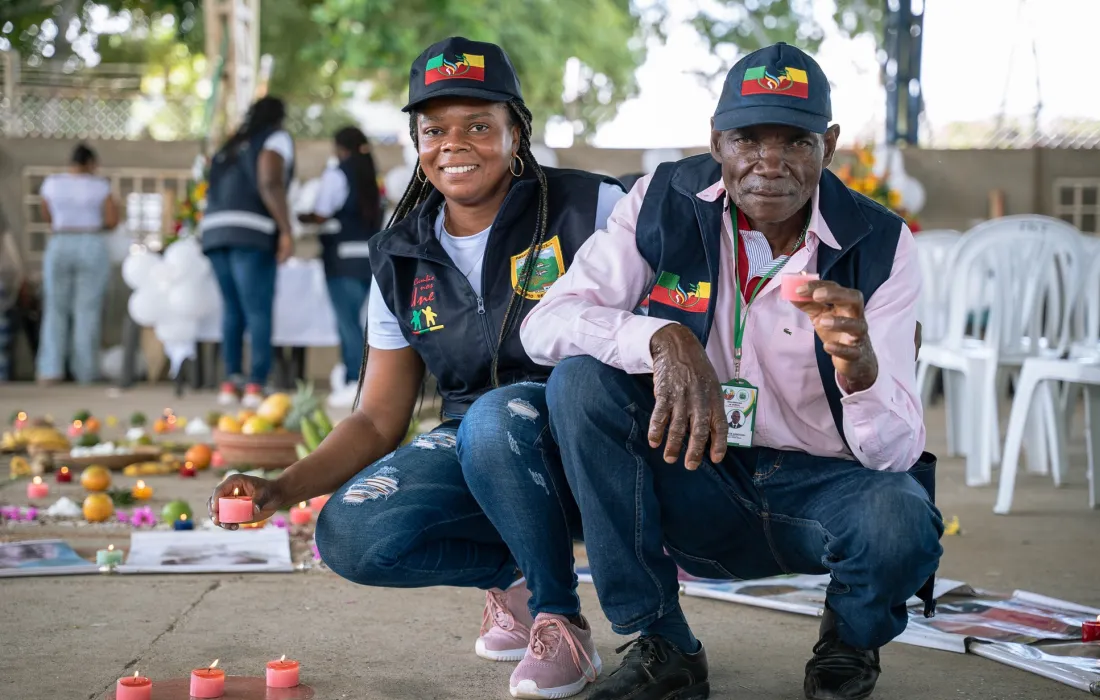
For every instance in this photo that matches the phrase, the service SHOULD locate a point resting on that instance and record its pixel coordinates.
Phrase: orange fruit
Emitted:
(91, 425)
(95, 478)
(245, 415)
(98, 507)
(160, 426)
(229, 424)
(199, 455)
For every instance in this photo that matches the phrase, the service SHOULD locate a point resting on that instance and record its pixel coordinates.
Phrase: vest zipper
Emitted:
(485, 324)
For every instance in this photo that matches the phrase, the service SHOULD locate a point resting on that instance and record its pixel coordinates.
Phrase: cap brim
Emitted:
(770, 114)
(460, 91)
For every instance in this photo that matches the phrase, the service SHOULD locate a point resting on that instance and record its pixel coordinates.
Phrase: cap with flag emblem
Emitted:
(778, 84)
(458, 67)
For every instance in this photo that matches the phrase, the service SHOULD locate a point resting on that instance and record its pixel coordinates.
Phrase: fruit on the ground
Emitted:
(20, 467)
(257, 426)
(173, 510)
(137, 419)
(88, 440)
(275, 408)
(212, 417)
(95, 478)
(91, 425)
(82, 415)
(160, 426)
(150, 468)
(229, 424)
(40, 437)
(199, 455)
(245, 414)
(98, 507)
(144, 440)
(303, 404)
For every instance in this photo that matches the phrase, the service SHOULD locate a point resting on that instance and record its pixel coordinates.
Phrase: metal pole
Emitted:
(915, 89)
(890, 68)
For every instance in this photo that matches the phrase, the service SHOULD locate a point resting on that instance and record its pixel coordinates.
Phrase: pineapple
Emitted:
(303, 404)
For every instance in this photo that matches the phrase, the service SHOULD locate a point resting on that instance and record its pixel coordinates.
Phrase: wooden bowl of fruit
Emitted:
(267, 437)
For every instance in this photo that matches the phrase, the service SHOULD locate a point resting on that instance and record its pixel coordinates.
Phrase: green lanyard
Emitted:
(741, 320)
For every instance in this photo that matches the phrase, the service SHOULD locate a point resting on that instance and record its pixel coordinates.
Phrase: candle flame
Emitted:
(183, 516)
(110, 548)
(64, 470)
(189, 465)
(135, 675)
(283, 658)
(37, 480)
(1098, 618)
(140, 484)
(21, 416)
(236, 491)
(213, 664)
(302, 505)
(77, 423)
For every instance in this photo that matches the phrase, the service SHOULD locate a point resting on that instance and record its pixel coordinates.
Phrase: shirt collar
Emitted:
(817, 227)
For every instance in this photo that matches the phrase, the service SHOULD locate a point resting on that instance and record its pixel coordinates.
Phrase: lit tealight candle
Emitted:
(235, 508)
(1090, 630)
(20, 420)
(208, 682)
(301, 514)
(38, 489)
(183, 523)
(134, 688)
(141, 491)
(64, 476)
(109, 556)
(188, 471)
(76, 428)
(282, 673)
(790, 283)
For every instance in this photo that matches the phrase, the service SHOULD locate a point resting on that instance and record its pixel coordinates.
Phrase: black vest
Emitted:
(455, 331)
(236, 216)
(679, 233)
(344, 237)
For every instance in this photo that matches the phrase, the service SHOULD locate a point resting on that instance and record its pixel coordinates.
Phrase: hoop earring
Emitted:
(417, 174)
(522, 166)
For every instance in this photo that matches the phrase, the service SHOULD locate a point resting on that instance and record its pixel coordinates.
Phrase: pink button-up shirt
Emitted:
(589, 311)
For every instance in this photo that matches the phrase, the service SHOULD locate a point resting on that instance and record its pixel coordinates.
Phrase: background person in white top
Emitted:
(246, 233)
(349, 209)
(79, 208)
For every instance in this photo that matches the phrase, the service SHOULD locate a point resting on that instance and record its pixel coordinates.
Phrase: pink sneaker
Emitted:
(560, 661)
(505, 625)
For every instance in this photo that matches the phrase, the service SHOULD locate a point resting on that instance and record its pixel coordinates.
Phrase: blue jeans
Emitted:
(246, 277)
(347, 295)
(76, 270)
(464, 505)
(760, 512)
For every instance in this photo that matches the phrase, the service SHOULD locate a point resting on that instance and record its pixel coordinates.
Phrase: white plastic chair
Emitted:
(1081, 368)
(935, 254)
(1018, 268)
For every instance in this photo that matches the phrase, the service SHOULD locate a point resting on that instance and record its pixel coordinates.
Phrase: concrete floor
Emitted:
(72, 637)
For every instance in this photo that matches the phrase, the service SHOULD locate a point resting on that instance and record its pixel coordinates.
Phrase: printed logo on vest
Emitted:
(424, 319)
(669, 291)
(549, 266)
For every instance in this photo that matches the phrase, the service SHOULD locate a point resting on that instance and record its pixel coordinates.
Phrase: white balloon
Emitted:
(177, 330)
(145, 306)
(655, 156)
(137, 267)
(544, 155)
(182, 254)
(912, 195)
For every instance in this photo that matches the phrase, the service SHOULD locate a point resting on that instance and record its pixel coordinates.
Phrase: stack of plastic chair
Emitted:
(1015, 272)
(1080, 369)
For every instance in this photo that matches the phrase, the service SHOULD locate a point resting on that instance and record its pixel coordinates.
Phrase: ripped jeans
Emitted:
(465, 505)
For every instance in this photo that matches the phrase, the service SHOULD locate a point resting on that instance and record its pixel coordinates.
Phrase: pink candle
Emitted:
(318, 502)
(134, 688)
(790, 283)
(235, 508)
(1090, 630)
(208, 682)
(301, 514)
(282, 673)
(38, 489)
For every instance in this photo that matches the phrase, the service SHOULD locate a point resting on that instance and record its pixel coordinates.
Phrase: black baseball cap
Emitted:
(778, 84)
(458, 67)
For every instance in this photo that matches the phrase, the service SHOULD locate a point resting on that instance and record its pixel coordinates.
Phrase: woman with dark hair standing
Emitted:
(479, 236)
(349, 209)
(76, 269)
(246, 234)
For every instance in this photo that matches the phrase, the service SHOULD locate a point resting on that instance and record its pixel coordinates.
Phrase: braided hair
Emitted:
(265, 113)
(417, 192)
(361, 163)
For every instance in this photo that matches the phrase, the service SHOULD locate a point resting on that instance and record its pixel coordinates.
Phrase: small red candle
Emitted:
(64, 476)
(188, 471)
(208, 682)
(301, 514)
(1090, 630)
(134, 688)
(790, 283)
(235, 508)
(38, 489)
(282, 673)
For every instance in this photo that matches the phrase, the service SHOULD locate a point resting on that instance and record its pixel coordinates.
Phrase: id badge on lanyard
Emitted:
(739, 397)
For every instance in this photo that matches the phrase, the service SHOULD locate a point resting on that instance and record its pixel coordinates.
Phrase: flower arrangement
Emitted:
(188, 212)
(860, 176)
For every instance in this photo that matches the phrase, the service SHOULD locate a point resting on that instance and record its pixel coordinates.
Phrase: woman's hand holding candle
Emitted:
(265, 495)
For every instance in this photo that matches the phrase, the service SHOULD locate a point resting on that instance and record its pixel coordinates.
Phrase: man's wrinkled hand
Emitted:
(688, 399)
(837, 315)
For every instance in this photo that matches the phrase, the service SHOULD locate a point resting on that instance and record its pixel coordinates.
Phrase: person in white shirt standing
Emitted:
(349, 210)
(76, 269)
(246, 234)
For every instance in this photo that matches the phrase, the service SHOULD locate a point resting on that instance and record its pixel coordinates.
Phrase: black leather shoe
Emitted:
(839, 671)
(655, 669)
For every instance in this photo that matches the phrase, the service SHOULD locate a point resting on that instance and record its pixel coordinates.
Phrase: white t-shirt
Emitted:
(281, 143)
(75, 201)
(332, 193)
(468, 254)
